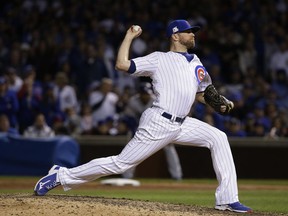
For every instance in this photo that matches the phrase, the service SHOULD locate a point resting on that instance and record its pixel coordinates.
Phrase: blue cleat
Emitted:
(48, 182)
(234, 207)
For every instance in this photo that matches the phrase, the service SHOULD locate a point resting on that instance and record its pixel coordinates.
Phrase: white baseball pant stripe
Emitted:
(173, 162)
(153, 134)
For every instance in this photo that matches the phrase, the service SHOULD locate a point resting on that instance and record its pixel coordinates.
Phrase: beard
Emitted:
(189, 44)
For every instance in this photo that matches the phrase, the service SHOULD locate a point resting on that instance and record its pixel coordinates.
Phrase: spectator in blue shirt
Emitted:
(235, 128)
(8, 102)
(29, 96)
(50, 105)
(5, 126)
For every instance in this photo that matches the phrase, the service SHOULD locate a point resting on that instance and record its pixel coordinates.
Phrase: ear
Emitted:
(175, 37)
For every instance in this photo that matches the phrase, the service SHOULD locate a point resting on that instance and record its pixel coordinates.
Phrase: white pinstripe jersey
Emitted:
(175, 79)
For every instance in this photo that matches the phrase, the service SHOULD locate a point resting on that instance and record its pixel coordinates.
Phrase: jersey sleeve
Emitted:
(204, 83)
(202, 76)
(146, 65)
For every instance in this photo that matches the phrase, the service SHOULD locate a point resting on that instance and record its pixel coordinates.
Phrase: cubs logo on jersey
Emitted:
(200, 73)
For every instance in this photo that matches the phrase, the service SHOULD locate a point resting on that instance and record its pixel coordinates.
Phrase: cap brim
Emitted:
(194, 29)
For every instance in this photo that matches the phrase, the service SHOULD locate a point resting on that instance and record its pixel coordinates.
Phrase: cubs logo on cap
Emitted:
(175, 29)
(200, 73)
(179, 26)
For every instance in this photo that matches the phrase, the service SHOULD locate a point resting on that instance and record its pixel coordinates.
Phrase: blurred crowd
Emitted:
(57, 62)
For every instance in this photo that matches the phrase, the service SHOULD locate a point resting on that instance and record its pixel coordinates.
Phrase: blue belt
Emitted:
(170, 117)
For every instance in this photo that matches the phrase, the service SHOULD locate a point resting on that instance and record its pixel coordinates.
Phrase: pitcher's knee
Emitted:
(222, 135)
(218, 137)
(221, 140)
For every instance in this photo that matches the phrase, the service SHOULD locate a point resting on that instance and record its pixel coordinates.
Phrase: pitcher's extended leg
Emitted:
(198, 133)
(141, 146)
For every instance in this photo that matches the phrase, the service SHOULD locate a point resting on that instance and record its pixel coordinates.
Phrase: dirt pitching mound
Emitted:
(28, 204)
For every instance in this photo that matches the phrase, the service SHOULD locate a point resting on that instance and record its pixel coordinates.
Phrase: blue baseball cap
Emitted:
(180, 26)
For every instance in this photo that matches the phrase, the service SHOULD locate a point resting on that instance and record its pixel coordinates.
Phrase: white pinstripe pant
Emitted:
(155, 132)
(173, 162)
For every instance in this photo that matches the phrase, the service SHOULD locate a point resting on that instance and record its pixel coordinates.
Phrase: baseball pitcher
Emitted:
(178, 79)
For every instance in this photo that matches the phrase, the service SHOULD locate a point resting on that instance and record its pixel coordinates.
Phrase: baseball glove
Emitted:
(218, 102)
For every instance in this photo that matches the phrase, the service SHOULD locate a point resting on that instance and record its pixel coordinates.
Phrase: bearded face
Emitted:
(187, 40)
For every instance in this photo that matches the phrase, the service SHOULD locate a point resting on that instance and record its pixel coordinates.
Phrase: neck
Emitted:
(175, 48)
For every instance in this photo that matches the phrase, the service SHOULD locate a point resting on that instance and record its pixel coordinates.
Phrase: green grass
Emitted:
(270, 201)
(251, 193)
(264, 201)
